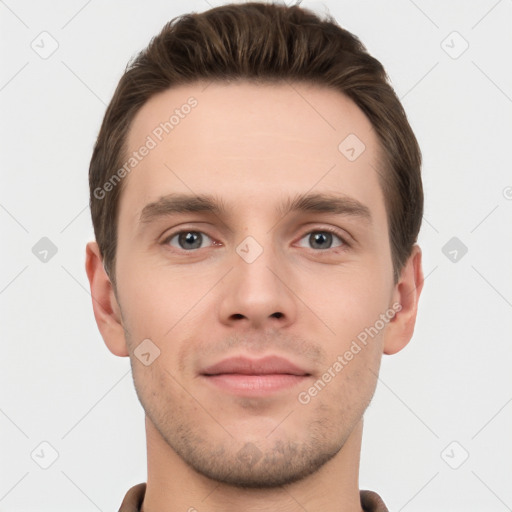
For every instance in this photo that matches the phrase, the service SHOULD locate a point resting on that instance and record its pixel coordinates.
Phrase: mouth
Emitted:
(254, 377)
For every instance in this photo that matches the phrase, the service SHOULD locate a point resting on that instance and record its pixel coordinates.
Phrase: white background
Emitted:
(60, 384)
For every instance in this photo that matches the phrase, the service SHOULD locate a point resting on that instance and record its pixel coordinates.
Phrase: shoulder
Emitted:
(133, 498)
(372, 502)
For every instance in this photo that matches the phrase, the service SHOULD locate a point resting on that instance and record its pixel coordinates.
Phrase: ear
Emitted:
(407, 292)
(104, 303)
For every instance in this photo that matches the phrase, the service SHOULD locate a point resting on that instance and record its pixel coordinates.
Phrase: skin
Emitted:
(253, 147)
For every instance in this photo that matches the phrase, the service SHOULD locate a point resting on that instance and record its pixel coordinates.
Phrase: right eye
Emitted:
(187, 240)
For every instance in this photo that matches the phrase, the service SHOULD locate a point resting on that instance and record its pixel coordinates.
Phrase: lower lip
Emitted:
(255, 385)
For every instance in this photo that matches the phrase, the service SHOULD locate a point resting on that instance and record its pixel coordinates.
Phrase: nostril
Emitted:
(277, 314)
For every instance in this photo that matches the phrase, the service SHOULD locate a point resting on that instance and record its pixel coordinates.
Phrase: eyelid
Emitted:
(170, 231)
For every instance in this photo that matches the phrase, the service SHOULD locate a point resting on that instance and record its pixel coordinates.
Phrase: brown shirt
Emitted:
(370, 501)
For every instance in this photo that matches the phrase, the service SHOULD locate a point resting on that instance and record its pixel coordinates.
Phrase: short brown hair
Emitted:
(262, 42)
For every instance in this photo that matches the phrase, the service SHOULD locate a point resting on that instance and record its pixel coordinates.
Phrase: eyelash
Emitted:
(344, 244)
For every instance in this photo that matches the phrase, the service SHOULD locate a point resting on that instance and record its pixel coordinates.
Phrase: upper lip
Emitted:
(251, 366)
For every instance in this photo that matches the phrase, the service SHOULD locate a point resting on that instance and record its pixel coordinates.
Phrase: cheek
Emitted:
(158, 301)
(349, 300)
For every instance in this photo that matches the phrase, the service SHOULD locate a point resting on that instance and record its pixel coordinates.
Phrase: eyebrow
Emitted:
(326, 203)
(311, 202)
(181, 203)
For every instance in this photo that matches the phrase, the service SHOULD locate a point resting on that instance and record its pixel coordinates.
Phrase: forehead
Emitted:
(251, 142)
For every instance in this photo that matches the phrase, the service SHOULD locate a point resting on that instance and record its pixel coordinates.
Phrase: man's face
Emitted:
(250, 280)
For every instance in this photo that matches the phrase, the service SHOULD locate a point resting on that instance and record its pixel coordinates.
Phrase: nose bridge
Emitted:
(253, 266)
(255, 260)
(255, 291)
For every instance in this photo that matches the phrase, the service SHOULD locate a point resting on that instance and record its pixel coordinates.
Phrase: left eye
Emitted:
(322, 240)
(188, 240)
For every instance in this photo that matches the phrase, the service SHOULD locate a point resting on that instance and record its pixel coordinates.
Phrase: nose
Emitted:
(257, 293)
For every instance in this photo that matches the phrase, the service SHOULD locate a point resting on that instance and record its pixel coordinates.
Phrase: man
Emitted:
(256, 199)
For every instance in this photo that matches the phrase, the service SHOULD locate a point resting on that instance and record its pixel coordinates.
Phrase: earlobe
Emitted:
(105, 306)
(406, 293)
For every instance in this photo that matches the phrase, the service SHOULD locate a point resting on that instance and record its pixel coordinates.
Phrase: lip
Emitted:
(254, 377)
(248, 366)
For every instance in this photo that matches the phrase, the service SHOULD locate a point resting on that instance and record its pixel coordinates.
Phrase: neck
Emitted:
(174, 486)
